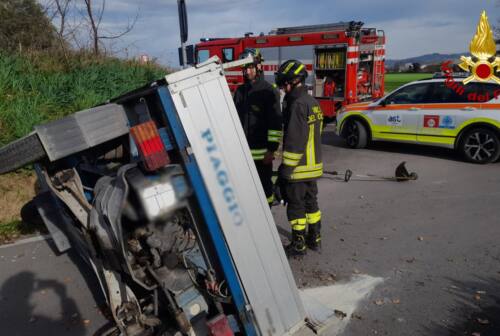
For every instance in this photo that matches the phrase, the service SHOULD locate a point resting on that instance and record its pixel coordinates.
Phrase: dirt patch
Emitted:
(16, 190)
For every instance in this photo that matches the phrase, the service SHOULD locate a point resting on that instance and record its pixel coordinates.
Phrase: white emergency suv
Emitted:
(434, 112)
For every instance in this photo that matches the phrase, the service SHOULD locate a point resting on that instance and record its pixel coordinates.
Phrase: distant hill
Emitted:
(425, 59)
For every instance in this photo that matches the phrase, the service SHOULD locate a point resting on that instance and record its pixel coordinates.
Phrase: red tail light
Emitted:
(219, 326)
(150, 146)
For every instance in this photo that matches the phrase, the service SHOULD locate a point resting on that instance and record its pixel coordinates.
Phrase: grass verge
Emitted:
(16, 190)
(39, 87)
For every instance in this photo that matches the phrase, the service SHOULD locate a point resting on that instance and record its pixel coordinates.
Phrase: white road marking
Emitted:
(26, 241)
(321, 302)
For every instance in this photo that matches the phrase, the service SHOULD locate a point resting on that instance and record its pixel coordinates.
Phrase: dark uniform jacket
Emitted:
(258, 106)
(303, 124)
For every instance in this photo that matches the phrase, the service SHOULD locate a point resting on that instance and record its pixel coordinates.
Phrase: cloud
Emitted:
(412, 28)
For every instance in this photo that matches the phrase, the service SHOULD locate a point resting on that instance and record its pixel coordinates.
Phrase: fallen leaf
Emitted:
(396, 301)
(477, 297)
(356, 316)
(340, 314)
(379, 302)
(482, 321)
(86, 322)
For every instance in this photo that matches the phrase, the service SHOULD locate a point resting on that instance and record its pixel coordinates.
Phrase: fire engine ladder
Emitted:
(339, 26)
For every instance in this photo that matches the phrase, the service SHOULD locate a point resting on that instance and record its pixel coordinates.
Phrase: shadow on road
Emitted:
(87, 274)
(477, 312)
(20, 316)
(332, 139)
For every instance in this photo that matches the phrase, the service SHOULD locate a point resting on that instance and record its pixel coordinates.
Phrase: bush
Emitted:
(24, 26)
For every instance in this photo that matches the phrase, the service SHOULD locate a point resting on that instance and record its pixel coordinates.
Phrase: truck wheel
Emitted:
(356, 134)
(480, 145)
(21, 152)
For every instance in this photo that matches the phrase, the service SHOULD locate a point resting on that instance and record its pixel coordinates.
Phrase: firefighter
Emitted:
(302, 164)
(258, 105)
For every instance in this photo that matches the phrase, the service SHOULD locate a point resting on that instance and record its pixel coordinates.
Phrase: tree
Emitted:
(24, 25)
(95, 14)
(415, 67)
(58, 12)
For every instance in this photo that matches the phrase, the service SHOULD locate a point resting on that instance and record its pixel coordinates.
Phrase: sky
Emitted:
(412, 28)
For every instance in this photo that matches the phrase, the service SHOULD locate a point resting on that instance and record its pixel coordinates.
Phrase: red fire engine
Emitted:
(345, 62)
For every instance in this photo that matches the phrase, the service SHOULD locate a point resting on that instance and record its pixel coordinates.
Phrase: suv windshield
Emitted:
(410, 94)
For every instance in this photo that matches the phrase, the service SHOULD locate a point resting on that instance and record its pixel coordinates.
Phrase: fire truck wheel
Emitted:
(356, 134)
(480, 145)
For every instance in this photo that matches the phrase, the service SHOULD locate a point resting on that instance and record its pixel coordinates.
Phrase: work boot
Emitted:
(297, 247)
(313, 239)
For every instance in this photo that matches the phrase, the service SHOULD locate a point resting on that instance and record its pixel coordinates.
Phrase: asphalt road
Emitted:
(432, 243)
(46, 294)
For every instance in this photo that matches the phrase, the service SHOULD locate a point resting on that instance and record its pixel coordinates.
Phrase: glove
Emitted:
(280, 190)
(281, 183)
(285, 171)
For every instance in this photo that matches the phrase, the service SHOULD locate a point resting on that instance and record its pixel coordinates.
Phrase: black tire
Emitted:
(480, 145)
(356, 134)
(21, 152)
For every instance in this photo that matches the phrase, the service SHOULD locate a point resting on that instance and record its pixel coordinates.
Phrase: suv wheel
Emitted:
(356, 134)
(480, 145)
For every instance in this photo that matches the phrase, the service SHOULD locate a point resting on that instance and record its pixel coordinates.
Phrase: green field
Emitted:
(395, 80)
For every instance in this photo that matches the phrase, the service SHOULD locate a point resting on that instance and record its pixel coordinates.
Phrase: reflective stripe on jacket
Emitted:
(302, 136)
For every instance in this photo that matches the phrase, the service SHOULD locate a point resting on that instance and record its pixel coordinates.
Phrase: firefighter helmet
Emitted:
(289, 71)
(257, 56)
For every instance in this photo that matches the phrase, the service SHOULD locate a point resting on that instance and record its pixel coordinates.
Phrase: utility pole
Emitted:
(183, 25)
